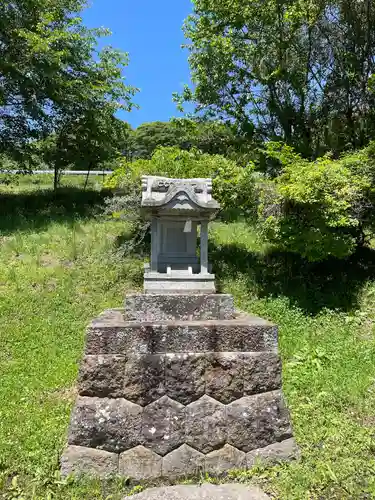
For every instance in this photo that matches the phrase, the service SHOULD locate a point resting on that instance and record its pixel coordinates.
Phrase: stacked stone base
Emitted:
(172, 398)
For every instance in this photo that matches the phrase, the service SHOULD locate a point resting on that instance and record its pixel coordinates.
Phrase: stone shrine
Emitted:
(177, 383)
(175, 208)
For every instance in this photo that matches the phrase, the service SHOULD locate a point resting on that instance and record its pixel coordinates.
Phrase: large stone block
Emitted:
(170, 307)
(246, 333)
(144, 380)
(286, 450)
(102, 376)
(183, 336)
(205, 424)
(273, 418)
(257, 421)
(179, 284)
(119, 338)
(185, 376)
(109, 424)
(110, 334)
(183, 462)
(140, 463)
(224, 376)
(225, 459)
(80, 460)
(163, 425)
(262, 372)
(238, 335)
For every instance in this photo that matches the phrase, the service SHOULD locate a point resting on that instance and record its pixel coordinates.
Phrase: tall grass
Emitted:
(59, 268)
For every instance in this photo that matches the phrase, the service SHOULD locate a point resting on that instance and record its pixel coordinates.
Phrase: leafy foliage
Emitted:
(53, 80)
(318, 209)
(299, 72)
(209, 136)
(233, 185)
(149, 136)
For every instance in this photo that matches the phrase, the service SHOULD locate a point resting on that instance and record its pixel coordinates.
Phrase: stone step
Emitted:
(184, 377)
(203, 492)
(140, 463)
(206, 425)
(169, 307)
(112, 334)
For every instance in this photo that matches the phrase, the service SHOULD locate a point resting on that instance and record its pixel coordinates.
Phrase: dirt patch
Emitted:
(67, 394)
(47, 260)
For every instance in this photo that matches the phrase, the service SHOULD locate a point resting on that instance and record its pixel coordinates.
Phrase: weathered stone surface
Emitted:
(80, 460)
(205, 424)
(183, 462)
(153, 307)
(257, 421)
(185, 376)
(273, 418)
(183, 337)
(203, 492)
(242, 424)
(102, 376)
(163, 425)
(220, 461)
(144, 378)
(247, 333)
(119, 338)
(108, 424)
(140, 463)
(262, 372)
(224, 376)
(277, 452)
(111, 335)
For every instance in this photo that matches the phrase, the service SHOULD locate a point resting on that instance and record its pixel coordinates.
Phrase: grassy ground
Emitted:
(35, 182)
(59, 267)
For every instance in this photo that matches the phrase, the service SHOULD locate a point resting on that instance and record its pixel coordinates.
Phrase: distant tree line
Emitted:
(209, 136)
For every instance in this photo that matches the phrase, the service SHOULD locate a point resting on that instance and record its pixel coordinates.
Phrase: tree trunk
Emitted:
(56, 178)
(87, 177)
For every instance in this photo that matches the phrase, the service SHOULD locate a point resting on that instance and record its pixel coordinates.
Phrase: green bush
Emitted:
(318, 208)
(233, 185)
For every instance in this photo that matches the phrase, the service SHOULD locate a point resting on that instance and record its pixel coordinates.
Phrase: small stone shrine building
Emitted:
(177, 383)
(176, 210)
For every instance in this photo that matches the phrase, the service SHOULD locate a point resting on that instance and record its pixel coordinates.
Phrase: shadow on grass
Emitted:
(332, 284)
(35, 210)
(230, 215)
(134, 243)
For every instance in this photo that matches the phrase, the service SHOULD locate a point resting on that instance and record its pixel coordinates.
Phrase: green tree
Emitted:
(233, 184)
(319, 208)
(295, 71)
(149, 136)
(88, 143)
(209, 136)
(53, 80)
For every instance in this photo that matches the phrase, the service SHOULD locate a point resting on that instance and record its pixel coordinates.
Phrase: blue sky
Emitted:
(150, 31)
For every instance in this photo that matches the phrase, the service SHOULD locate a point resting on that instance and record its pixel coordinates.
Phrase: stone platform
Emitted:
(203, 492)
(176, 385)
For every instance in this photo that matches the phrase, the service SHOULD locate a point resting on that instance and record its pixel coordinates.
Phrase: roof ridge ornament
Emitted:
(159, 192)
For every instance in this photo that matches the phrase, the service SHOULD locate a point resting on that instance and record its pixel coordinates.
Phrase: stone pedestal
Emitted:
(176, 385)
